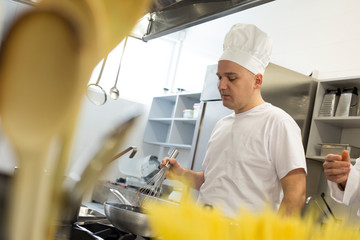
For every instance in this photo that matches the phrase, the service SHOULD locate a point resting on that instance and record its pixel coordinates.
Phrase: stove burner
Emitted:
(99, 231)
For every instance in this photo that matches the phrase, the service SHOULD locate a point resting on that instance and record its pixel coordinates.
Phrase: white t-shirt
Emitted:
(351, 195)
(247, 155)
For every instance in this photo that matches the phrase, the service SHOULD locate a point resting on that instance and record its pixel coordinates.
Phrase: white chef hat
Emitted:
(248, 46)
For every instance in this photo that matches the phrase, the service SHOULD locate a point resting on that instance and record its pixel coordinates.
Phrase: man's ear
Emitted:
(258, 80)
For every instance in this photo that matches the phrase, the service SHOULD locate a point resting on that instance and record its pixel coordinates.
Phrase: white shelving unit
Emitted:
(344, 130)
(166, 128)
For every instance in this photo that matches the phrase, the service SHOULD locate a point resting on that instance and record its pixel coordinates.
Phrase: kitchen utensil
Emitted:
(113, 20)
(121, 197)
(348, 103)
(329, 102)
(132, 154)
(95, 93)
(40, 89)
(153, 187)
(76, 188)
(128, 218)
(114, 92)
(46, 60)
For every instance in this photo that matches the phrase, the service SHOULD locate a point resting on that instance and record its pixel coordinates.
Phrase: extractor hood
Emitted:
(168, 16)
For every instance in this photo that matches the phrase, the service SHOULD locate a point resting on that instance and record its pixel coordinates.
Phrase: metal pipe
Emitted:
(309, 199)
(133, 148)
(327, 205)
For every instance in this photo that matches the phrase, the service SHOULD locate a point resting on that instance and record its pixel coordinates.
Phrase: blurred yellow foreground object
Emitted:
(101, 24)
(192, 222)
(46, 61)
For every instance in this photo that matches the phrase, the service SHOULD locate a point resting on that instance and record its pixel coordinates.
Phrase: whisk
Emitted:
(153, 186)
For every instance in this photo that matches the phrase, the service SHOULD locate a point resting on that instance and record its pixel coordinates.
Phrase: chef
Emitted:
(343, 178)
(255, 155)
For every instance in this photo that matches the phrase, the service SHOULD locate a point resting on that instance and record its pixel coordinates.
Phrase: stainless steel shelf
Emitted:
(343, 122)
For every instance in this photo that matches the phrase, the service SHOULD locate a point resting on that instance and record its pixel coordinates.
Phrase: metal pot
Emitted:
(128, 218)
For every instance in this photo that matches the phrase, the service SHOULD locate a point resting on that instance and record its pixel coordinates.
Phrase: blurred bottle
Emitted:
(196, 108)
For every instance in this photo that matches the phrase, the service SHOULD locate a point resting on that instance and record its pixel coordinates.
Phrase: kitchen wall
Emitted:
(9, 12)
(307, 35)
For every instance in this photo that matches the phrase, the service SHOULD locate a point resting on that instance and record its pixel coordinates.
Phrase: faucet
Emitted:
(133, 148)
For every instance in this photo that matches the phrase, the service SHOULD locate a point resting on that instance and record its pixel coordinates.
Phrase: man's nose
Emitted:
(222, 84)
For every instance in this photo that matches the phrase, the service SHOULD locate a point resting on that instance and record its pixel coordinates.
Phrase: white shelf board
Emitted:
(162, 120)
(170, 97)
(170, 144)
(344, 122)
(186, 120)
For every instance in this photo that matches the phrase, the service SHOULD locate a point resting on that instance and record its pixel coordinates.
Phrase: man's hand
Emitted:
(337, 168)
(194, 179)
(176, 171)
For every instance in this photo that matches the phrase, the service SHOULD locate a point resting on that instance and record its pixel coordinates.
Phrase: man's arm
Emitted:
(294, 188)
(196, 178)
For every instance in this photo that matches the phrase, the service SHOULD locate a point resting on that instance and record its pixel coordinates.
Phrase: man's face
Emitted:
(238, 87)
